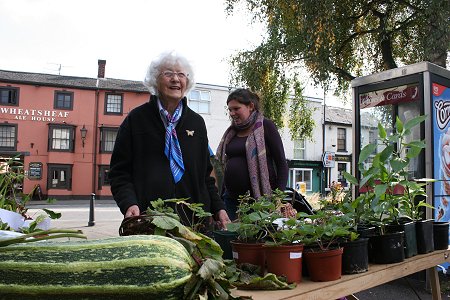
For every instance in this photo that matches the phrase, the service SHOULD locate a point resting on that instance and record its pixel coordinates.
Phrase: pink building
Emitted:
(63, 128)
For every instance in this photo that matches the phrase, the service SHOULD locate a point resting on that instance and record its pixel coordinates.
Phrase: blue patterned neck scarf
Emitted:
(172, 147)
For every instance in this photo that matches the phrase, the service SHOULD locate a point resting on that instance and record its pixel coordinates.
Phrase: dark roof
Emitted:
(71, 81)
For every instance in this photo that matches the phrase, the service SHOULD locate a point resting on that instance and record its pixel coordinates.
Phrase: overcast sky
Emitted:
(44, 36)
(40, 35)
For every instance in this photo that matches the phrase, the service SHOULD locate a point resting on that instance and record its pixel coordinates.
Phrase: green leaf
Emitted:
(350, 178)
(419, 144)
(165, 222)
(160, 231)
(414, 121)
(366, 179)
(268, 282)
(188, 234)
(381, 131)
(413, 152)
(209, 247)
(210, 268)
(53, 215)
(366, 152)
(386, 153)
(380, 189)
(233, 227)
(398, 164)
(192, 287)
(398, 125)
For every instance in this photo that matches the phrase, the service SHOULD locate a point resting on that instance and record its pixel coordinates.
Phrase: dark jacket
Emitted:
(140, 171)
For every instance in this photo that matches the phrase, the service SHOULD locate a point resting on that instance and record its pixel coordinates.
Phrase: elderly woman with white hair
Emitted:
(161, 149)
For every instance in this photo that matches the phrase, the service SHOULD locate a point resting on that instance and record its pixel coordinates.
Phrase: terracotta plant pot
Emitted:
(285, 260)
(324, 265)
(249, 253)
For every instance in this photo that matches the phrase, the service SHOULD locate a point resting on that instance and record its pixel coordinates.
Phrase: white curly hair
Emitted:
(166, 60)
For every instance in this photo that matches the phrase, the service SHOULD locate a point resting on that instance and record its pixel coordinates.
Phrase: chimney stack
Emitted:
(101, 68)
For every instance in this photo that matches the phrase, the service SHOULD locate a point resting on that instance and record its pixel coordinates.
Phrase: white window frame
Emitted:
(340, 174)
(113, 103)
(8, 137)
(199, 98)
(108, 137)
(309, 182)
(61, 138)
(342, 139)
(299, 148)
(59, 176)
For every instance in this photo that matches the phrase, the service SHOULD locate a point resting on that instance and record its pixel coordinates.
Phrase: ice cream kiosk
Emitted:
(418, 89)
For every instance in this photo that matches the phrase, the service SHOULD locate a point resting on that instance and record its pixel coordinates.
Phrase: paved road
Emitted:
(75, 215)
(107, 217)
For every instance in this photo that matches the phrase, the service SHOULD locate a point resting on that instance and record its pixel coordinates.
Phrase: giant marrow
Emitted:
(122, 267)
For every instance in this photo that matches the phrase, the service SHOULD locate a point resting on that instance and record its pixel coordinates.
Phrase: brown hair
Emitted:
(244, 96)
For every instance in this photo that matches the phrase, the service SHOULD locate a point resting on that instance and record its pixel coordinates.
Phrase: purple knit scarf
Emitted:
(255, 147)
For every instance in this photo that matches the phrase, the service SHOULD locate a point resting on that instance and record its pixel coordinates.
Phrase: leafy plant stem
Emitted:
(42, 235)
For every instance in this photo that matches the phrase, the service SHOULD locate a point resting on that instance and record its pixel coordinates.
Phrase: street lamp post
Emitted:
(323, 143)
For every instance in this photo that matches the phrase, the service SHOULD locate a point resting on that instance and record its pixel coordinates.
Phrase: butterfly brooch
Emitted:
(190, 132)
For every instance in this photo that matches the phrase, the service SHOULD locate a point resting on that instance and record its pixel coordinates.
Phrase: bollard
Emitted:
(91, 210)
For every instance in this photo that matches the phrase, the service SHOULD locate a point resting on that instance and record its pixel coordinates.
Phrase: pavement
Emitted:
(105, 219)
(76, 214)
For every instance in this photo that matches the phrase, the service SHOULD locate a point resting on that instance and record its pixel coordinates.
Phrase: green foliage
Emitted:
(12, 199)
(252, 216)
(256, 220)
(324, 228)
(382, 204)
(246, 278)
(301, 123)
(261, 72)
(288, 233)
(337, 40)
(198, 216)
(209, 279)
(41, 235)
(11, 176)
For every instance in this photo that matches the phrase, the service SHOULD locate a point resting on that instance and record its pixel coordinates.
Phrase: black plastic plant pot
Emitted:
(366, 230)
(410, 241)
(424, 236)
(440, 235)
(387, 248)
(355, 258)
(223, 238)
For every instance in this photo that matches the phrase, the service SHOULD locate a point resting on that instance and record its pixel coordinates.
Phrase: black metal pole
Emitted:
(91, 210)
(324, 170)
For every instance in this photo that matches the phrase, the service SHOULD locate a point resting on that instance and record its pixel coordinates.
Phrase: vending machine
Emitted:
(419, 89)
(440, 91)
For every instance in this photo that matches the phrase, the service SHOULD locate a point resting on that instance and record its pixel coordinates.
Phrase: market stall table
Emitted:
(350, 284)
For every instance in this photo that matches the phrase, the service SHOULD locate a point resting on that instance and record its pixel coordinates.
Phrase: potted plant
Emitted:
(256, 227)
(251, 231)
(283, 245)
(388, 193)
(355, 255)
(321, 233)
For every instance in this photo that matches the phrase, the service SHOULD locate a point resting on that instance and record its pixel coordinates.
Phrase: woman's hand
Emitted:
(133, 210)
(222, 219)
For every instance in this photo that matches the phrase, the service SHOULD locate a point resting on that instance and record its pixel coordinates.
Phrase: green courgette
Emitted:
(155, 267)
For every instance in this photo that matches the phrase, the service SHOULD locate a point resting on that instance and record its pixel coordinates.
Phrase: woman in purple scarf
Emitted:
(251, 151)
